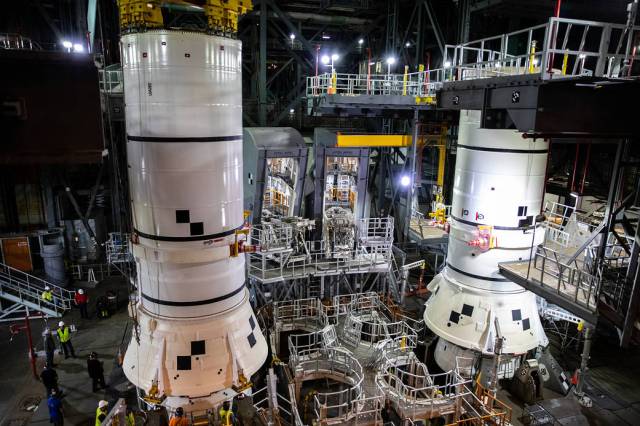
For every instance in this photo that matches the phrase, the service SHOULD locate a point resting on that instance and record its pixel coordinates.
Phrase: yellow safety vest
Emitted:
(99, 412)
(46, 295)
(225, 416)
(64, 334)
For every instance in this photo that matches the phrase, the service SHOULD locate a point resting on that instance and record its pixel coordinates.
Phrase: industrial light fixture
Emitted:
(292, 111)
(405, 180)
(535, 62)
(447, 64)
(391, 60)
(77, 47)
(407, 44)
(326, 36)
(325, 59)
(335, 57)
(292, 36)
(574, 194)
(361, 41)
(67, 44)
(582, 56)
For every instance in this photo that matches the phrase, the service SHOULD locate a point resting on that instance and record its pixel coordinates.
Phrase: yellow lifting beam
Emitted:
(140, 14)
(222, 15)
(373, 140)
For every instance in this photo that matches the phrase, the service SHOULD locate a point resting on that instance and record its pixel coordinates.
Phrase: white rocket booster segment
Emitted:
(197, 331)
(497, 194)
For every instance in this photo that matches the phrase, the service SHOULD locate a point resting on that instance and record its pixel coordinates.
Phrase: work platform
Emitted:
(545, 79)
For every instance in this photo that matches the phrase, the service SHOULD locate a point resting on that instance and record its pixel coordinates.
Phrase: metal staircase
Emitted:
(26, 290)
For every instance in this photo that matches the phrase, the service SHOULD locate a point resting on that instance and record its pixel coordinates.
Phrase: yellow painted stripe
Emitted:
(374, 140)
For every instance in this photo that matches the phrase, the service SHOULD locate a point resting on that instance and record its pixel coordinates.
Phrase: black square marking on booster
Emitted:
(184, 362)
(467, 310)
(516, 315)
(252, 340)
(197, 347)
(182, 216)
(522, 211)
(197, 228)
(454, 317)
(525, 324)
(252, 323)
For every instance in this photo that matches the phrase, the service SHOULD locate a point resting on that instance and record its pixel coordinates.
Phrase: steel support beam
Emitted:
(48, 20)
(434, 25)
(262, 66)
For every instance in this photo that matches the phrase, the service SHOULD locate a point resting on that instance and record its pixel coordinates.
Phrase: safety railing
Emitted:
(375, 231)
(557, 218)
(117, 248)
(286, 411)
(27, 288)
(369, 322)
(482, 407)
(110, 80)
(270, 267)
(415, 392)
(569, 280)
(559, 48)
(332, 364)
(93, 272)
(416, 84)
(307, 342)
(299, 311)
(17, 42)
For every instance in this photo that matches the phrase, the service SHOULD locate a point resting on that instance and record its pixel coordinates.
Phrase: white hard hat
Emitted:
(61, 324)
(47, 288)
(102, 403)
(81, 291)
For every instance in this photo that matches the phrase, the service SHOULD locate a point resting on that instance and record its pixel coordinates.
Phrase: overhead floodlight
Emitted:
(292, 111)
(361, 41)
(292, 36)
(447, 64)
(582, 56)
(391, 60)
(78, 48)
(325, 59)
(535, 62)
(335, 57)
(574, 194)
(407, 44)
(326, 37)
(67, 44)
(405, 180)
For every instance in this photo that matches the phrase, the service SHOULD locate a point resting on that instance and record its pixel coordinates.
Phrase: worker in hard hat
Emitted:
(47, 295)
(64, 335)
(179, 418)
(101, 411)
(226, 414)
(82, 300)
(96, 371)
(49, 346)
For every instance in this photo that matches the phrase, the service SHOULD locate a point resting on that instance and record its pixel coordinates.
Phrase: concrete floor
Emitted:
(614, 381)
(18, 387)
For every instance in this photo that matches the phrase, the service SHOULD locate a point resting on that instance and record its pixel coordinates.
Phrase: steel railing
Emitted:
(27, 288)
(559, 48)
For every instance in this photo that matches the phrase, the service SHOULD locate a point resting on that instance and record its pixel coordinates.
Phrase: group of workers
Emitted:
(80, 299)
(245, 414)
(49, 376)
